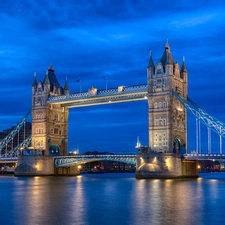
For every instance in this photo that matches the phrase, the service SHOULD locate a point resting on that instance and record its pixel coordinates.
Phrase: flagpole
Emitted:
(105, 78)
(79, 81)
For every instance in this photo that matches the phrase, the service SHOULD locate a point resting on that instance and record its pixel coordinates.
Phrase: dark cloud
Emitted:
(90, 39)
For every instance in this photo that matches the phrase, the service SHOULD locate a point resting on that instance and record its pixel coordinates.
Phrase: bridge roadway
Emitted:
(211, 156)
(8, 160)
(66, 161)
(99, 97)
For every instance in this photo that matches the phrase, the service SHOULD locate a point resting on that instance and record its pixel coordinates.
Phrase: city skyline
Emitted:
(87, 42)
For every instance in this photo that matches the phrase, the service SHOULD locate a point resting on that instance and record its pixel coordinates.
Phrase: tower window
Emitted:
(164, 122)
(159, 71)
(159, 82)
(56, 117)
(56, 131)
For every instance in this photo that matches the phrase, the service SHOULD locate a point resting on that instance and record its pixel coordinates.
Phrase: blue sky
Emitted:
(91, 39)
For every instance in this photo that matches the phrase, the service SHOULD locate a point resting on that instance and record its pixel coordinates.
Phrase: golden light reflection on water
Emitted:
(109, 200)
(172, 198)
(37, 206)
(49, 196)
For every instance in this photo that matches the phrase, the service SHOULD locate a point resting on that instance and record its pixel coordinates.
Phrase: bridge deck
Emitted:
(95, 97)
(204, 156)
(64, 161)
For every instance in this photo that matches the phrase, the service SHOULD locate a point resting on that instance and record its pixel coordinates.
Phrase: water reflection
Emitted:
(111, 199)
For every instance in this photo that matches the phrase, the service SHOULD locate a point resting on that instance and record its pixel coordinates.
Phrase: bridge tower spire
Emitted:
(167, 118)
(49, 122)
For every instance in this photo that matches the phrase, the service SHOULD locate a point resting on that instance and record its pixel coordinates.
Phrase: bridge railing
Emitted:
(204, 156)
(105, 92)
(61, 161)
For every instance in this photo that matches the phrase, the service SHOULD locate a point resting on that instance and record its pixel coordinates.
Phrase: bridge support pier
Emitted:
(42, 166)
(67, 171)
(35, 166)
(164, 166)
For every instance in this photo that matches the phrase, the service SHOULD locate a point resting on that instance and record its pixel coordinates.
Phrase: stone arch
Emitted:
(54, 149)
(176, 145)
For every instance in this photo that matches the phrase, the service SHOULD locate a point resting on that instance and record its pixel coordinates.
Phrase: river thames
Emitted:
(112, 199)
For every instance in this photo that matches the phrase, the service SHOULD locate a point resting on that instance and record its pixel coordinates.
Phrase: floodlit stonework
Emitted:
(49, 122)
(167, 117)
(167, 122)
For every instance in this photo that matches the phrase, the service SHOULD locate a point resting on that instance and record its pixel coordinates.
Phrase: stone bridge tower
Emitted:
(49, 122)
(167, 117)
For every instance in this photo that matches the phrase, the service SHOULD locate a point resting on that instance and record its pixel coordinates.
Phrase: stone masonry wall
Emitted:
(164, 165)
(35, 166)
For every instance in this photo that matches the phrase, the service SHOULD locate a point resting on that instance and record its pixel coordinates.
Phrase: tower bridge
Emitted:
(167, 95)
(51, 103)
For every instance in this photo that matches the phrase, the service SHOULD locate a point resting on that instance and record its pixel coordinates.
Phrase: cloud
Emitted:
(91, 39)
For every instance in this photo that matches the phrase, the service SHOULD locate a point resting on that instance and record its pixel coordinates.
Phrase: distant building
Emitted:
(108, 167)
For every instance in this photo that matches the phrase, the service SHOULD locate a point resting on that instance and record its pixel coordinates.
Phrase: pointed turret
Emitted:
(183, 72)
(151, 67)
(46, 80)
(183, 68)
(50, 68)
(34, 84)
(151, 63)
(35, 80)
(53, 82)
(66, 87)
(167, 57)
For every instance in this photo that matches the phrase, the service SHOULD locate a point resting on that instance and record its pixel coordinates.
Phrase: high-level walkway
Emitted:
(98, 97)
